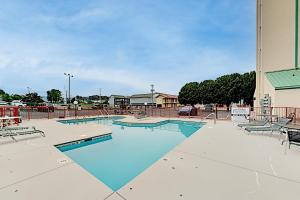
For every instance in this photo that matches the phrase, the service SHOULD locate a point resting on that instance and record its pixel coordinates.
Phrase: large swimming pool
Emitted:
(131, 148)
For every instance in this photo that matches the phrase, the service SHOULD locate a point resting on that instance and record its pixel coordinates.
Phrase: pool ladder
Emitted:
(209, 117)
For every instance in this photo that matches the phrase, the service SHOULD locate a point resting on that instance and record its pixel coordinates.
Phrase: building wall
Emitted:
(111, 101)
(160, 101)
(271, 91)
(166, 102)
(275, 41)
(283, 98)
(141, 101)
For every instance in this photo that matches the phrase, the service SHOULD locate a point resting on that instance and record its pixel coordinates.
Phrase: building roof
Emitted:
(117, 96)
(170, 96)
(149, 95)
(156, 94)
(284, 79)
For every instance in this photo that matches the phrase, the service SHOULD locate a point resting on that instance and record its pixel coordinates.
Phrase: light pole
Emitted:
(152, 101)
(66, 94)
(69, 77)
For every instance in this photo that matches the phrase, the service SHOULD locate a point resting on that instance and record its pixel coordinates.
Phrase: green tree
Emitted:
(206, 92)
(16, 97)
(4, 96)
(229, 89)
(2, 92)
(189, 94)
(54, 96)
(32, 99)
(248, 87)
(226, 89)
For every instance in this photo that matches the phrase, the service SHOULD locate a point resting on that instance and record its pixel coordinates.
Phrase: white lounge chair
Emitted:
(12, 132)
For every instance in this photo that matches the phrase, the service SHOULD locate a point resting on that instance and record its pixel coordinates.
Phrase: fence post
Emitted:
(28, 113)
(271, 113)
(295, 115)
(16, 114)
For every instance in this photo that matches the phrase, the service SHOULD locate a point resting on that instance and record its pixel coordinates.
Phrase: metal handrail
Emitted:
(100, 112)
(215, 117)
(107, 114)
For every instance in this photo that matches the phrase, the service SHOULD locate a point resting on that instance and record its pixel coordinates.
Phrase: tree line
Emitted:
(32, 98)
(53, 96)
(227, 89)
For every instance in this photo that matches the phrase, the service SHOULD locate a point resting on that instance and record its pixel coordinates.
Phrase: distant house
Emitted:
(166, 101)
(160, 100)
(138, 100)
(118, 101)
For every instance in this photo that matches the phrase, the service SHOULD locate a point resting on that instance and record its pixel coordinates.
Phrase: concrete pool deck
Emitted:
(220, 162)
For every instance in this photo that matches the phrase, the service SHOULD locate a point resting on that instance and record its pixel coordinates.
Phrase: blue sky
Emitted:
(123, 46)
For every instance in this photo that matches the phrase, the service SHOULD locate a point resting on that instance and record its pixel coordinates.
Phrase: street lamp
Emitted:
(69, 77)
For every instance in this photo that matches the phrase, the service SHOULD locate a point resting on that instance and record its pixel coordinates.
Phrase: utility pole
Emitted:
(152, 101)
(29, 90)
(69, 77)
(100, 95)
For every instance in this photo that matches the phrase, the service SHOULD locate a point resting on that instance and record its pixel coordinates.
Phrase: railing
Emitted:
(44, 112)
(277, 112)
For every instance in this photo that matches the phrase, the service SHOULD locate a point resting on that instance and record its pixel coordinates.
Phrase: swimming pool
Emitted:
(132, 148)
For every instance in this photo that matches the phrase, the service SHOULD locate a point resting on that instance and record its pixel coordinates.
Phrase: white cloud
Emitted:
(163, 45)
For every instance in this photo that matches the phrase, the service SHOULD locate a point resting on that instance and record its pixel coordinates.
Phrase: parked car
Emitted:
(187, 111)
(45, 109)
(209, 107)
(3, 103)
(18, 103)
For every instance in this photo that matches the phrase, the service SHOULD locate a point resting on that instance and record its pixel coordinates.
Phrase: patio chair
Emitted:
(254, 123)
(33, 130)
(15, 131)
(271, 128)
(293, 137)
(14, 128)
(8, 133)
(275, 127)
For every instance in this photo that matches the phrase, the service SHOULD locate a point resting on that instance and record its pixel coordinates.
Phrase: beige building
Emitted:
(278, 74)
(160, 100)
(166, 101)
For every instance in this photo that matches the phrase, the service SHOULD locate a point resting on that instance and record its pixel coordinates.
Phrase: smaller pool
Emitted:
(98, 120)
(131, 148)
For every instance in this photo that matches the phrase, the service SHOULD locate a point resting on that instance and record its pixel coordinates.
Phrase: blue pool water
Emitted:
(118, 158)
